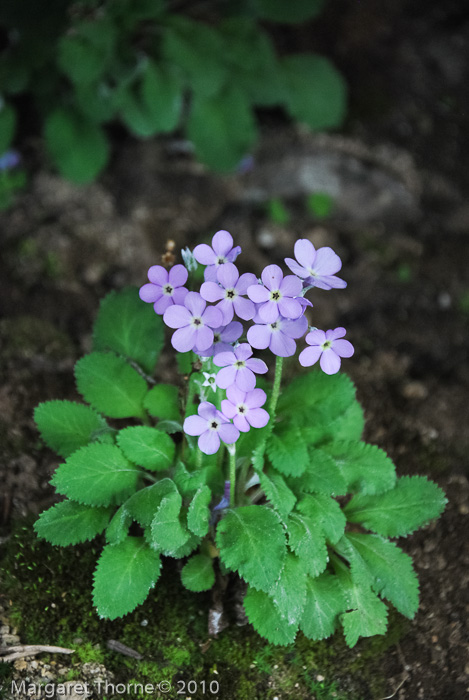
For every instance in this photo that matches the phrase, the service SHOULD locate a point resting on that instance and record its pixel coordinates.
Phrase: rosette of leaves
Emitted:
(313, 525)
(156, 71)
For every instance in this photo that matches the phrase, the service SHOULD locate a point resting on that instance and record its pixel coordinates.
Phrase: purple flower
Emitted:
(225, 501)
(165, 288)
(328, 346)
(278, 336)
(194, 322)
(316, 267)
(211, 426)
(238, 368)
(222, 339)
(244, 408)
(230, 289)
(9, 160)
(221, 252)
(276, 296)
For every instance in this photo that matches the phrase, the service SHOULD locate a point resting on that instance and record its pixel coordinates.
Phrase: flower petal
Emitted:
(291, 286)
(282, 345)
(244, 308)
(209, 442)
(290, 308)
(272, 276)
(207, 410)
(233, 254)
(309, 356)
(259, 336)
(269, 312)
(299, 270)
(335, 333)
(179, 295)
(222, 242)
(225, 377)
(162, 304)
(204, 254)
(158, 275)
(245, 281)
(235, 394)
(224, 358)
(295, 329)
(195, 303)
(305, 252)
(177, 316)
(241, 423)
(316, 337)
(183, 339)
(327, 262)
(178, 275)
(212, 317)
(255, 398)
(194, 425)
(330, 362)
(210, 291)
(228, 275)
(203, 337)
(150, 293)
(258, 293)
(243, 351)
(256, 365)
(227, 312)
(228, 433)
(228, 409)
(245, 379)
(343, 348)
(258, 417)
(231, 333)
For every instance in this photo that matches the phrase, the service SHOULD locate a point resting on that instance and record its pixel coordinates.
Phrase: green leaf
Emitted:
(143, 504)
(324, 602)
(187, 548)
(97, 475)
(277, 492)
(198, 515)
(367, 615)
(129, 327)
(307, 540)
(162, 401)
(65, 425)
(266, 619)
(410, 505)
(168, 532)
(153, 105)
(148, 447)
(198, 574)
(348, 426)
(322, 475)
(316, 91)
(189, 482)
(288, 452)
(169, 426)
(7, 126)
(85, 55)
(241, 538)
(194, 47)
(289, 592)
(124, 576)
(111, 385)
(222, 128)
(326, 513)
(118, 528)
(295, 11)
(96, 101)
(78, 147)
(389, 569)
(364, 467)
(69, 523)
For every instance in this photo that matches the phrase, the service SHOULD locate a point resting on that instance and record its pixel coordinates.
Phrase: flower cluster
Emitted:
(275, 306)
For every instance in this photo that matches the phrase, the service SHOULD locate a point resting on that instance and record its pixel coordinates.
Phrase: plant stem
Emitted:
(198, 458)
(276, 387)
(232, 452)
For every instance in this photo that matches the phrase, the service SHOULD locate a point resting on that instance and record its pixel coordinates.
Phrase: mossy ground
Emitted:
(50, 593)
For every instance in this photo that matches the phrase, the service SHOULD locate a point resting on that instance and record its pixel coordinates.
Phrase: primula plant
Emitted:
(232, 474)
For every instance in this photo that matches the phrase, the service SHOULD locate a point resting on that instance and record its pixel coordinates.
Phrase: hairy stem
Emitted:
(276, 387)
(232, 452)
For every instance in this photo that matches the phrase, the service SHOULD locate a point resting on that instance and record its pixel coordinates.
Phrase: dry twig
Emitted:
(13, 653)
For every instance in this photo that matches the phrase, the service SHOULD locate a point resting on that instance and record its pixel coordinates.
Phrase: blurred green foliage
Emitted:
(156, 66)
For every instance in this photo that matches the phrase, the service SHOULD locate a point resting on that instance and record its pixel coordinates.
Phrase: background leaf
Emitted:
(326, 513)
(266, 619)
(78, 147)
(324, 602)
(162, 401)
(364, 467)
(293, 11)
(198, 515)
(65, 425)
(168, 531)
(129, 327)
(411, 504)
(7, 126)
(125, 574)
(198, 574)
(241, 538)
(96, 475)
(69, 523)
(111, 385)
(308, 541)
(316, 91)
(277, 492)
(148, 447)
(289, 592)
(288, 451)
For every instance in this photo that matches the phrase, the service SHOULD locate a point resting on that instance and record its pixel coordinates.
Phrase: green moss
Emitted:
(51, 592)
